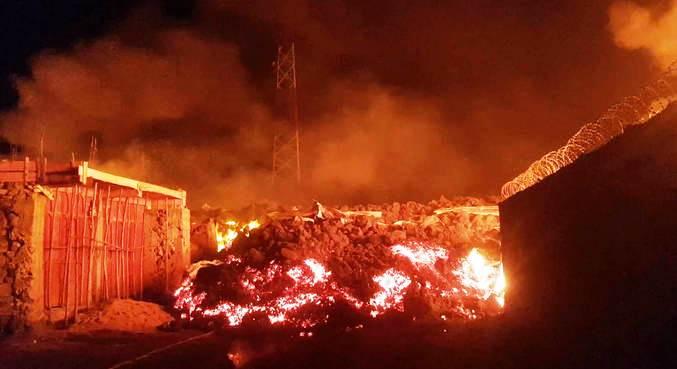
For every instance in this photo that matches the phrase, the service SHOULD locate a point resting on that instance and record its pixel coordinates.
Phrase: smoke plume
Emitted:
(637, 27)
(407, 101)
(181, 111)
(177, 110)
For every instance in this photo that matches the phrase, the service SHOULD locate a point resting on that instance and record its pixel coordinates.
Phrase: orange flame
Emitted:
(231, 230)
(477, 274)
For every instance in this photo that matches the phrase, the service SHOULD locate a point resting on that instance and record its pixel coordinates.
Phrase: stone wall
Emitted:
(167, 249)
(20, 259)
(22, 228)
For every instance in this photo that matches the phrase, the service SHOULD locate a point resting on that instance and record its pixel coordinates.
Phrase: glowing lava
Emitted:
(420, 254)
(299, 295)
(481, 277)
(393, 284)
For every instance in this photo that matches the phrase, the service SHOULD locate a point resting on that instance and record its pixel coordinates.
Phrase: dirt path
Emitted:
(392, 345)
(53, 349)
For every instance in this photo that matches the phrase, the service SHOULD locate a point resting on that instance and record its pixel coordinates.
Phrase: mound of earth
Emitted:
(124, 315)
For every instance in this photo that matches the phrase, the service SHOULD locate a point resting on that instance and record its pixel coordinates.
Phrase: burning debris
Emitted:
(230, 230)
(296, 267)
(214, 229)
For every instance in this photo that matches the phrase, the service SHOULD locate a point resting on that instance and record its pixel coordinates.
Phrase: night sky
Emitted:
(510, 80)
(561, 46)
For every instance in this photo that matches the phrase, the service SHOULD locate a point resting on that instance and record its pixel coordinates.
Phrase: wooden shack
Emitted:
(74, 236)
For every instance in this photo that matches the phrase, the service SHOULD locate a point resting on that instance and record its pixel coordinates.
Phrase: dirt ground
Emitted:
(51, 348)
(389, 343)
(371, 346)
(124, 315)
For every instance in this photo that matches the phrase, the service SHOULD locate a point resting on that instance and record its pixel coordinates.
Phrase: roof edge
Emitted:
(86, 172)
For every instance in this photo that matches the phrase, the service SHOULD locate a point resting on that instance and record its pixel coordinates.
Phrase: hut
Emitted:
(74, 236)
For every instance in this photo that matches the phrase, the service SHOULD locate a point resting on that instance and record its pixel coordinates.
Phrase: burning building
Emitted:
(74, 236)
(590, 250)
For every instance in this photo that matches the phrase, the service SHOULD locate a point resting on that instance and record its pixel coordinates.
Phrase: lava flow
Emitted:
(299, 295)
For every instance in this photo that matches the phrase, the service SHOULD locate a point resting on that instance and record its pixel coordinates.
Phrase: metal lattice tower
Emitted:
(286, 143)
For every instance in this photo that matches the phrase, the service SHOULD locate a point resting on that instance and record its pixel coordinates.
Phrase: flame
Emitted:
(252, 225)
(477, 274)
(473, 278)
(224, 240)
(226, 235)
(478, 277)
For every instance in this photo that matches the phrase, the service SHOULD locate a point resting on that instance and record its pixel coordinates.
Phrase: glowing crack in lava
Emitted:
(307, 285)
(391, 296)
(420, 254)
(299, 295)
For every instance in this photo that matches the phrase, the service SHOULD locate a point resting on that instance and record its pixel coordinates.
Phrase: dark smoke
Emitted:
(399, 101)
(181, 102)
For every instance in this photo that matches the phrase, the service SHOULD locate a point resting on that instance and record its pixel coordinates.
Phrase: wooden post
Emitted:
(124, 262)
(117, 246)
(77, 243)
(104, 259)
(48, 269)
(92, 241)
(68, 249)
(133, 246)
(26, 163)
(143, 247)
(167, 245)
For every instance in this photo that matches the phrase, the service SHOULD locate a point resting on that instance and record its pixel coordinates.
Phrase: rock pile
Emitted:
(354, 242)
(15, 255)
